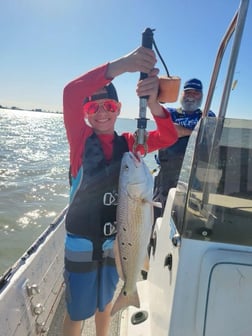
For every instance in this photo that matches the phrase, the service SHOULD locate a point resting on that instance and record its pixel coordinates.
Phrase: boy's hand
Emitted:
(141, 59)
(149, 86)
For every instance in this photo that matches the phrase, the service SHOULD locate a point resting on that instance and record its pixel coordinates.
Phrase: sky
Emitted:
(47, 43)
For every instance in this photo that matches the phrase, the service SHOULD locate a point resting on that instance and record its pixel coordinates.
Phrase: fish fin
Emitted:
(118, 259)
(146, 264)
(123, 301)
(154, 203)
(157, 204)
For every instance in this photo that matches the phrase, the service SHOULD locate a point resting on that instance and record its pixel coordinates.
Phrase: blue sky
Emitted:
(47, 43)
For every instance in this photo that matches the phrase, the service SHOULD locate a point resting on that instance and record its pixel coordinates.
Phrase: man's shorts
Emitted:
(90, 284)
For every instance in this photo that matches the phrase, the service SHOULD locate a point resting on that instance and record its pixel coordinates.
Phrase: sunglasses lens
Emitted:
(110, 106)
(91, 107)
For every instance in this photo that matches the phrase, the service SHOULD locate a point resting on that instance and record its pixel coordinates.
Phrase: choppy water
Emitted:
(34, 176)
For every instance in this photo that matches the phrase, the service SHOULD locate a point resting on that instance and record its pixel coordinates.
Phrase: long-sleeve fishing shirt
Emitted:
(78, 131)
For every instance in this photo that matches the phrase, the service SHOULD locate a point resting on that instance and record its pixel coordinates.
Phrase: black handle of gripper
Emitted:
(147, 41)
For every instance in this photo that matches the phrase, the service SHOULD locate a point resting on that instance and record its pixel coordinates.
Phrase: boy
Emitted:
(95, 157)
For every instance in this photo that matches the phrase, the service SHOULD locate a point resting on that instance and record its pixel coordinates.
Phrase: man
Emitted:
(91, 107)
(170, 159)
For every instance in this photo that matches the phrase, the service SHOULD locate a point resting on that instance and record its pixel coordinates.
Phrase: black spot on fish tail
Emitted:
(124, 300)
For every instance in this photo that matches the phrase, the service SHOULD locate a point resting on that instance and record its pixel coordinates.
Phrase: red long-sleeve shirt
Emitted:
(78, 131)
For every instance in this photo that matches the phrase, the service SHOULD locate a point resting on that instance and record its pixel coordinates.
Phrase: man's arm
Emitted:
(182, 131)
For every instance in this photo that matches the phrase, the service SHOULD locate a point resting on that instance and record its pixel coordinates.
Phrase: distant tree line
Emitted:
(20, 109)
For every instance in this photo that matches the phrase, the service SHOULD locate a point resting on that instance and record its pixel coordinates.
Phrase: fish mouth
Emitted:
(136, 157)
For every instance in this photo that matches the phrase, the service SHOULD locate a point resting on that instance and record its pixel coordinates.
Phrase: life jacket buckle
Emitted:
(110, 198)
(109, 229)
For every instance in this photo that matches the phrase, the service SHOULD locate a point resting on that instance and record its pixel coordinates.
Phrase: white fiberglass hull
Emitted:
(32, 289)
(203, 289)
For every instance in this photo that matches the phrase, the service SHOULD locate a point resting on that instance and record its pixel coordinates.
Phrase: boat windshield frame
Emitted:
(217, 190)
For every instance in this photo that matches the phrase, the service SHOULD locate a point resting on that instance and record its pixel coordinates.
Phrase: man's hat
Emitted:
(194, 84)
(108, 91)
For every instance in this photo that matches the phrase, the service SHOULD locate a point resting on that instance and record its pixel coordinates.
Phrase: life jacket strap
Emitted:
(109, 229)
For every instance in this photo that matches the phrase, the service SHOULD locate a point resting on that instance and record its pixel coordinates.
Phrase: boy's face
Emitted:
(102, 114)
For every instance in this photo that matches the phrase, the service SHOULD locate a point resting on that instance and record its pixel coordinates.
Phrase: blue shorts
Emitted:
(90, 284)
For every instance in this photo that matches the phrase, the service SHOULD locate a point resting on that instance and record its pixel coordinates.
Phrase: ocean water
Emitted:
(34, 176)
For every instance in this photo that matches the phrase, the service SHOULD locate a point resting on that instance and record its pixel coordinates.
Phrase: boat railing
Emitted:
(237, 25)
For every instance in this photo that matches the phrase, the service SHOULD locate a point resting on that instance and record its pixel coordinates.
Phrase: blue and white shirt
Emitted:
(187, 120)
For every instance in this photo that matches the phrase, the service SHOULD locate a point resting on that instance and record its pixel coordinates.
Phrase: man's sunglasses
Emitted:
(93, 106)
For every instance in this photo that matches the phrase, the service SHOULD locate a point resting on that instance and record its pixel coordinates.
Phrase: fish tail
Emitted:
(125, 300)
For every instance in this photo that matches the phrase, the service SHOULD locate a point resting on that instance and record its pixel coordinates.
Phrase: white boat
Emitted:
(32, 299)
(32, 288)
(200, 277)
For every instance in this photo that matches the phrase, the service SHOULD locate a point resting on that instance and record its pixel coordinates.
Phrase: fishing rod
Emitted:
(168, 92)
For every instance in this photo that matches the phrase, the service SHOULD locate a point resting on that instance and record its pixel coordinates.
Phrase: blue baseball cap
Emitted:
(193, 84)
